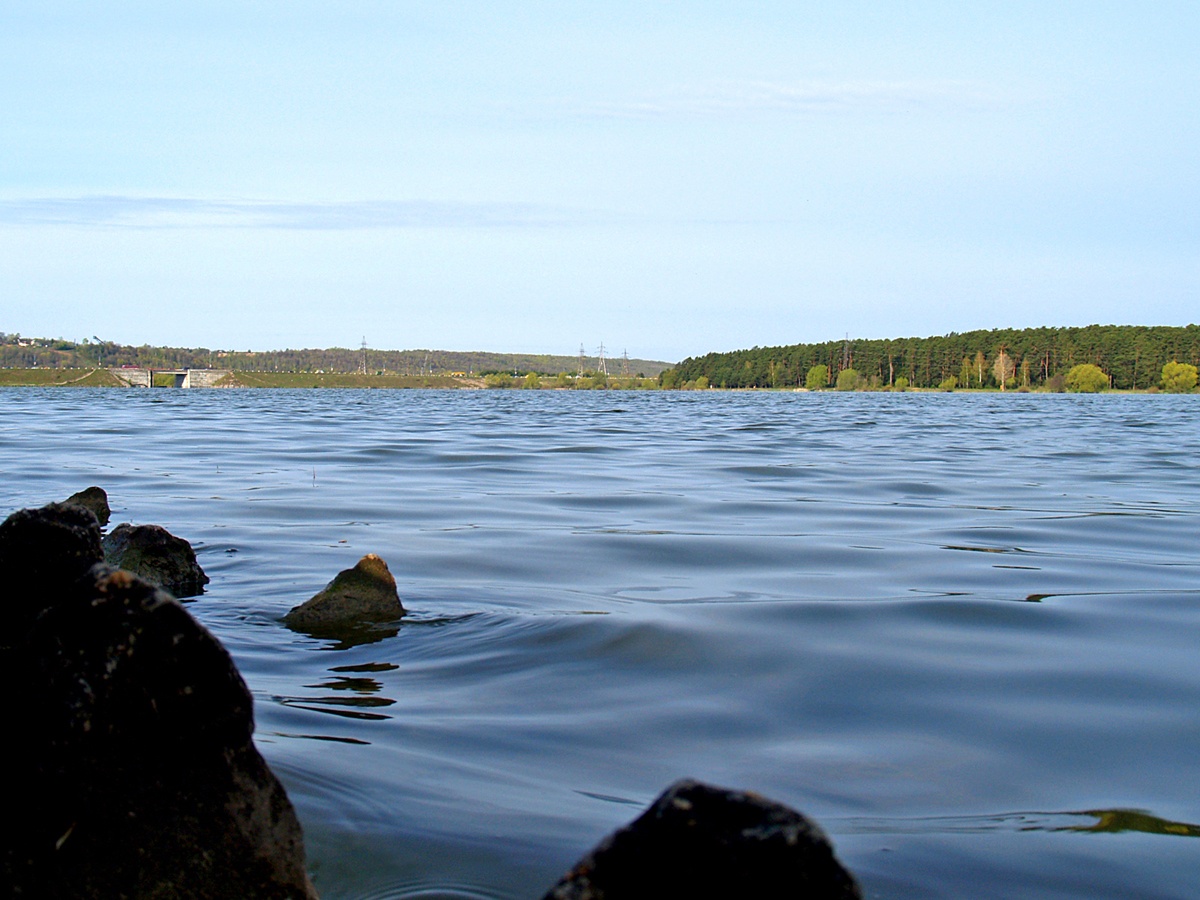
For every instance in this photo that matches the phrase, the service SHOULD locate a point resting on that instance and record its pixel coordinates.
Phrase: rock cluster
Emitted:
(130, 736)
(136, 775)
(697, 840)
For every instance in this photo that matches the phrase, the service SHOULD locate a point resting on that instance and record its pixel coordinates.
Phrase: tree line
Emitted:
(27, 353)
(1130, 356)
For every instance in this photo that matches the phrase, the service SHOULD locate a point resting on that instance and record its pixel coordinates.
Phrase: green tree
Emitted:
(1086, 378)
(532, 381)
(1178, 378)
(948, 383)
(964, 372)
(817, 377)
(847, 380)
(901, 384)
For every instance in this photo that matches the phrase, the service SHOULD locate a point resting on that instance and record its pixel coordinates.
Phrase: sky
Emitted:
(667, 179)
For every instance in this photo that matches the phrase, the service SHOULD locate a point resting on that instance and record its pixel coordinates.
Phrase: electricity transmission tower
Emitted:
(601, 366)
(363, 365)
(581, 359)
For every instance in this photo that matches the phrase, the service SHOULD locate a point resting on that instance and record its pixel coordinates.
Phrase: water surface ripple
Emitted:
(960, 631)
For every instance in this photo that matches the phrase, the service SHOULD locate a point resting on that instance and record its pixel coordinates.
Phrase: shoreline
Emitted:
(103, 378)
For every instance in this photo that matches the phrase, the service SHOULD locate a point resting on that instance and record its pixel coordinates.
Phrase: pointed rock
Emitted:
(96, 500)
(363, 595)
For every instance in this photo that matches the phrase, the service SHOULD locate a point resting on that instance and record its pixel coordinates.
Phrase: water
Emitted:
(959, 631)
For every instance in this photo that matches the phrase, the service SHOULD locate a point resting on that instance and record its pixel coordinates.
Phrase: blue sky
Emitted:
(667, 178)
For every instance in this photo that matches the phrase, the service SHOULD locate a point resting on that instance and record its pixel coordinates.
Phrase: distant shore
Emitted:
(47, 377)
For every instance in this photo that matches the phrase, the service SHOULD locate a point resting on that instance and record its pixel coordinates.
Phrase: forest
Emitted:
(1132, 356)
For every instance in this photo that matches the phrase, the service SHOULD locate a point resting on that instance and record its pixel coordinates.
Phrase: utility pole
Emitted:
(581, 358)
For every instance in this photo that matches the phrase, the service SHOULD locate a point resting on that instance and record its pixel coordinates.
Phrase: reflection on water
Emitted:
(347, 635)
(753, 589)
(1115, 821)
(1109, 821)
(350, 694)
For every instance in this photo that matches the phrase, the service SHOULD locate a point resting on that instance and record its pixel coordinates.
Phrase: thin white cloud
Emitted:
(741, 97)
(116, 211)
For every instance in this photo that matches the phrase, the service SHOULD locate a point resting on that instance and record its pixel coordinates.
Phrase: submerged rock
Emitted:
(134, 772)
(702, 841)
(96, 500)
(156, 555)
(357, 598)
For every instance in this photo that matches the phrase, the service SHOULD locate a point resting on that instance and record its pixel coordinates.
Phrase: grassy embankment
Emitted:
(57, 378)
(343, 380)
(103, 378)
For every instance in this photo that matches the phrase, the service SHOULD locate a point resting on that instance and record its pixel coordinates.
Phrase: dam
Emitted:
(183, 378)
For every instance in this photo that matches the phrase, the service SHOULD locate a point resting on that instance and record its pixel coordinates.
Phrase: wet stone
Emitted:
(697, 840)
(134, 770)
(156, 555)
(95, 499)
(357, 598)
(42, 552)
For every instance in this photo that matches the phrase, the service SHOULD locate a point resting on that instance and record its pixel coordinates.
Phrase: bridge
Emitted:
(183, 378)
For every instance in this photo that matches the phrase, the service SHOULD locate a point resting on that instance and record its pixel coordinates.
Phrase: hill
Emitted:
(25, 353)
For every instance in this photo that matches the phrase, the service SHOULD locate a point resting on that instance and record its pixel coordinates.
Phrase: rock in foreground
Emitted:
(42, 553)
(96, 500)
(133, 769)
(362, 596)
(156, 555)
(702, 841)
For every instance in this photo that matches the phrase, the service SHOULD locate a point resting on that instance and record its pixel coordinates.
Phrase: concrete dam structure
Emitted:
(183, 378)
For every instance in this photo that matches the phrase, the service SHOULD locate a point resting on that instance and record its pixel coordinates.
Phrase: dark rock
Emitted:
(157, 556)
(702, 841)
(132, 768)
(96, 500)
(363, 596)
(42, 552)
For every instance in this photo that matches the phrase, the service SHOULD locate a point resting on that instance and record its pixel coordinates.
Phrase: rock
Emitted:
(156, 555)
(96, 500)
(362, 596)
(132, 768)
(702, 841)
(42, 552)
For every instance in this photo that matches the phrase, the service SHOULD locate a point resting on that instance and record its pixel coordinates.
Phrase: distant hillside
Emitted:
(19, 352)
(1132, 355)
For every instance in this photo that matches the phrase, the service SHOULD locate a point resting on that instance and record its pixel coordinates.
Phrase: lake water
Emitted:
(961, 632)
